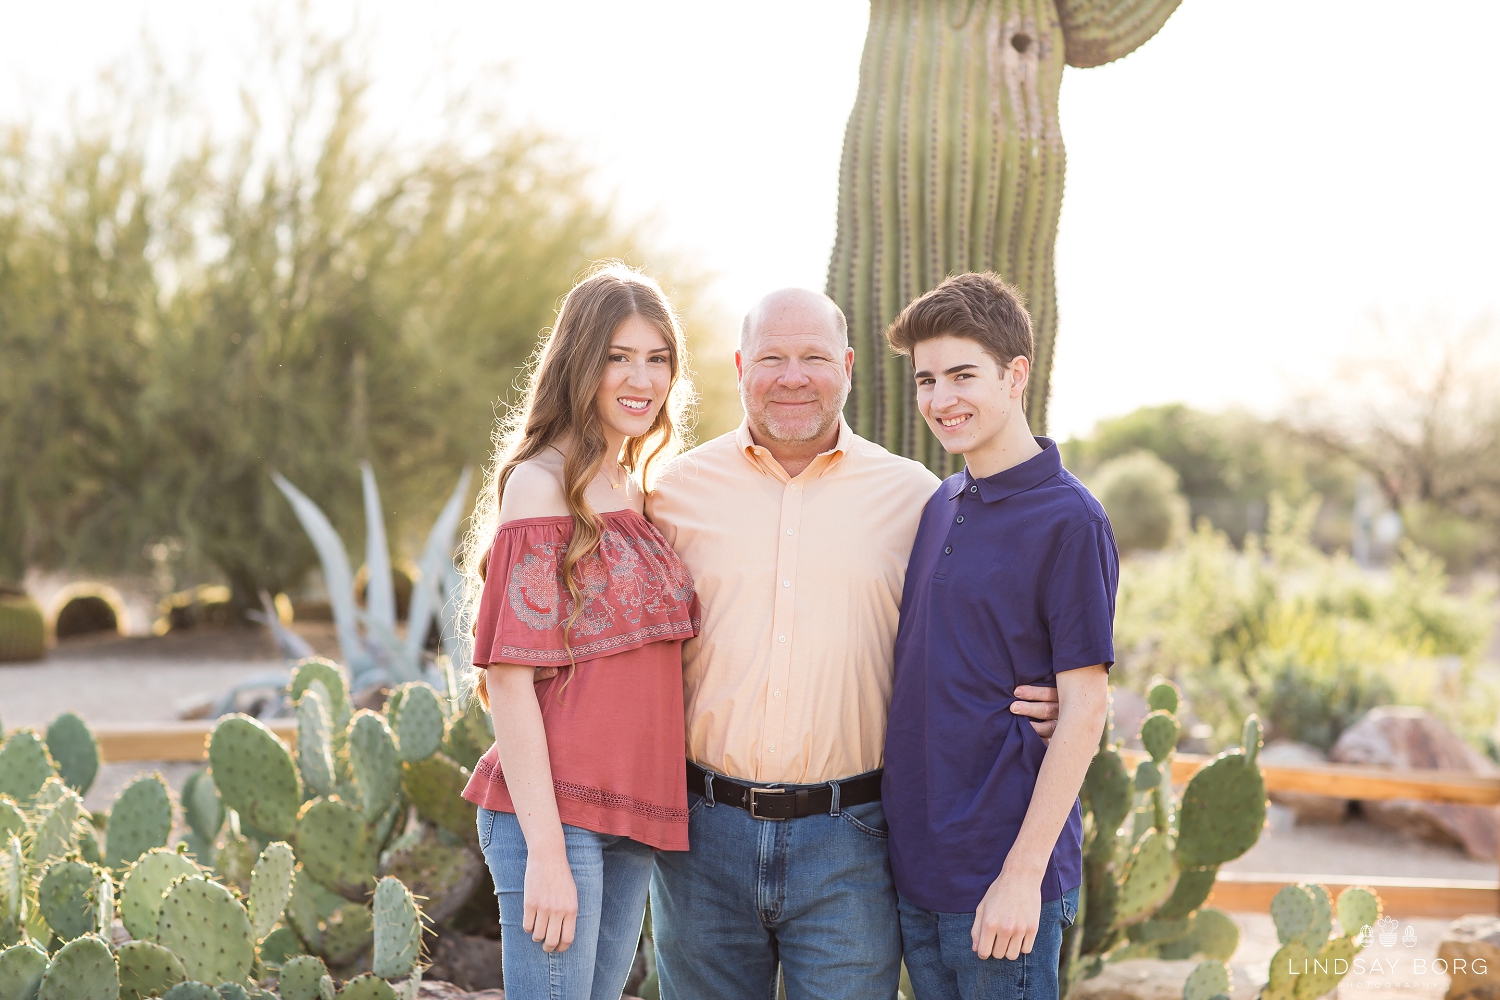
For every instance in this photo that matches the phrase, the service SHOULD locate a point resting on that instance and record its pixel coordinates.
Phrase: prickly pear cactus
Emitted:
(192, 990)
(140, 819)
(271, 887)
(347, 933)
(279, 946)
(300, 977)
(66, 898)
(82, 969)
(24, 767)
(335, 687)
(62, 827)
(417, 720)
(208, 929)
(367, 987)
(71, 744)
(952, 162)
(373, 763)
(1208, 980)
(232, 991)
(1224, 807)
(336, 847)
(398, 930)
(147, 970)
(22, 967)
(204, 812)
(435, 786)
(315, 740)
(254, 773)
(443, 874)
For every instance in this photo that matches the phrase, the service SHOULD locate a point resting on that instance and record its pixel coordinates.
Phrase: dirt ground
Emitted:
(153, 679)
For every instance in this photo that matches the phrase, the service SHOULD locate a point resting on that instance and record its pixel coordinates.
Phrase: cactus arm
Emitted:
(1101, 31)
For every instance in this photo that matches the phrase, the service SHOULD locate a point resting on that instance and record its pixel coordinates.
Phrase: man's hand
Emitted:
(1038, 704)
(547, 673)
(1006, 922)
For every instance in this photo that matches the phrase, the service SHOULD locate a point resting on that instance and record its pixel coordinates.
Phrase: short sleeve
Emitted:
(1080, 598)
(633, 591)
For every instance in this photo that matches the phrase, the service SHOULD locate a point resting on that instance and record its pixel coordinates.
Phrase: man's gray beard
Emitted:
(767, 429)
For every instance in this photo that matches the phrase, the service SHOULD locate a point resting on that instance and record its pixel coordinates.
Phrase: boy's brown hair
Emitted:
(978, 306)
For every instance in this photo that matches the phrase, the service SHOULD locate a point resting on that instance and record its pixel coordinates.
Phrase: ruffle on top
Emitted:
(634, 590)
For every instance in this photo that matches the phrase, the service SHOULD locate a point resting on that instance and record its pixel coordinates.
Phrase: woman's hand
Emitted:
(550, 900)
(1006, 922)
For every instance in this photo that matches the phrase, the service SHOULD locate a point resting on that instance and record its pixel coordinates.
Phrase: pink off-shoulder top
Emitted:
(615, 733)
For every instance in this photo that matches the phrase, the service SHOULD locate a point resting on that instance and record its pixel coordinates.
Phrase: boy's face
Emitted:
(965, 397)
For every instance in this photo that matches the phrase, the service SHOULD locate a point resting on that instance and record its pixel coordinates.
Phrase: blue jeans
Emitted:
(942, 964)
(813, 895)
(612, 875)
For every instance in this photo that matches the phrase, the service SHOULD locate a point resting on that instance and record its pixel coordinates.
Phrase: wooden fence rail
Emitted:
(1235, 891)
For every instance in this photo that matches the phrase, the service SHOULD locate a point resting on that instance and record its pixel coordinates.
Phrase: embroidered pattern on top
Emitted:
(595, 796)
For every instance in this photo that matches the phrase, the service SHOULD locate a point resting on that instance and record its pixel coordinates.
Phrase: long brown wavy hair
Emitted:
(558, 404)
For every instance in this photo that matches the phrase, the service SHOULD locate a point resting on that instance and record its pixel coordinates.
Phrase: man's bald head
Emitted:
(794, 308)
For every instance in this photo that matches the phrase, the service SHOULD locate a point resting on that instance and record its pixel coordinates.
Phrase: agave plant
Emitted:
(371, 649)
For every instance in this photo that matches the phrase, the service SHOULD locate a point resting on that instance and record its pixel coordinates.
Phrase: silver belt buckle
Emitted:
(767, 791)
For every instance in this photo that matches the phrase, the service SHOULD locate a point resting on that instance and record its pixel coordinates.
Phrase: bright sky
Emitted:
(1242, 192)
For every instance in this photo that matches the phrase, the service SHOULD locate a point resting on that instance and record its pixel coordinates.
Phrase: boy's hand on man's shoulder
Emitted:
(1039, 704)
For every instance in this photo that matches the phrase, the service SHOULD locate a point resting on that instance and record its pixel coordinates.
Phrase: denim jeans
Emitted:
(941, 961)
(612, 875)
(813, 895)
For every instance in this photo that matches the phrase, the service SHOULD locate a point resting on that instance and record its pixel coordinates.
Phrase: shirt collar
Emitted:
(1017, 479)
(761, 458)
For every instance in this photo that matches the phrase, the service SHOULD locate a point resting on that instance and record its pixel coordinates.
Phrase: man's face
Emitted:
(965, 397)
(794, 373)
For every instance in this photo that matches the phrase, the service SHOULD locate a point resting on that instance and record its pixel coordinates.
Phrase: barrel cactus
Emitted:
(1150, 859)
(23, 630)
(952, 162)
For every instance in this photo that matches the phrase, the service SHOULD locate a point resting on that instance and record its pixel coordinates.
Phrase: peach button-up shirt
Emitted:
(799, 581)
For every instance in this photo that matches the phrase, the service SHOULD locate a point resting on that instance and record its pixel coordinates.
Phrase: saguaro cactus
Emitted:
(953, 161)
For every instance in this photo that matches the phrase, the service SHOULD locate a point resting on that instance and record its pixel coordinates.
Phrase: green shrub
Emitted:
(1139, 492)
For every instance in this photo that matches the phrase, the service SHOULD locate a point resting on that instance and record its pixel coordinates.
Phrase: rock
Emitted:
(1156, 979)
(1404, 738)
(1129, 709)
(1309, 809)
(1474, 941)
(466, 961)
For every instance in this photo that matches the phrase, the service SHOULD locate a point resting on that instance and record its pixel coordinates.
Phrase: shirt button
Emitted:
(786, 583)
(973, 489)
(960, 519)
(776, 693)
(948, 551)
(782, 638)
(789, 531)
(793, 486)
(772, 748)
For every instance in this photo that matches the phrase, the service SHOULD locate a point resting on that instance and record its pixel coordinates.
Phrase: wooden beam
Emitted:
(168, 741)
(1403, 897)
(1348, 781)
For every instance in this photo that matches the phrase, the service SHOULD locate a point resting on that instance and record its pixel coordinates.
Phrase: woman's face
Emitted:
(636, 379)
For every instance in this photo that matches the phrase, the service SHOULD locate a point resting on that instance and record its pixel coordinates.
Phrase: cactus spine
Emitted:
(953, 161)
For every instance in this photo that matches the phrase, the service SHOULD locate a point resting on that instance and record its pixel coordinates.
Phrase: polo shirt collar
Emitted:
(1017, 479)
(760, 457)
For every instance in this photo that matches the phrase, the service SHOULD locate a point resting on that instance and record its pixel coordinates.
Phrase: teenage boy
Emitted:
(1011, 582)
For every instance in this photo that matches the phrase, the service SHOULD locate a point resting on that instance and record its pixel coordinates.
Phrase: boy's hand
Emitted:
(547, 673)
(1006, 922)
(1038, 704)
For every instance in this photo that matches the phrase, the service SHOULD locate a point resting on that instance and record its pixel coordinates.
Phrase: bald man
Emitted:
(797, 532)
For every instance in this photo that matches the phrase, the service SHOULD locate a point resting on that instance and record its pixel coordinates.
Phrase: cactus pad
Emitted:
(72, 747)
(1147, 776)
(1193, 887)
(147, 970)
(140, 819)
(82, 969)
(373, 762)
(398, 930)
(279, 945)
(311, 905)
(443, 875)
(231, 991)
(1208, 980)
(1287, 967)
(254, 773)
(347, 933)
(315, 739)
(61, 829)
(1325, 969)
(22, 967)
(1150, 876)
(300, 977)
(1212, 934)
(202, 807)
(1159, 735)
(416, 714)
(367, 987)
(435, 786)
(191, 989)
(203, 923)
(1358, 908)
(24, 767)
(1321, 927)
(337, 848)
(12, 820)
(1164, 697)
(1106, 792)
(1222, 812)
(235, 862)
(271, 887)
(1159, 931)
(66, 898)
(1294, 912)
(331, 676)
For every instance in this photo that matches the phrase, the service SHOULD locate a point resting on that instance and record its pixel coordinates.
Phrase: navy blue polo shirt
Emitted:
(1011, 580)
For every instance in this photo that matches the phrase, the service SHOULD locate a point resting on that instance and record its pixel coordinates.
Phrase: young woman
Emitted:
(586, 778)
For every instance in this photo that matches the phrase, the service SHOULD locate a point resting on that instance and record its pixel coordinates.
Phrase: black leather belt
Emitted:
(764, 802)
